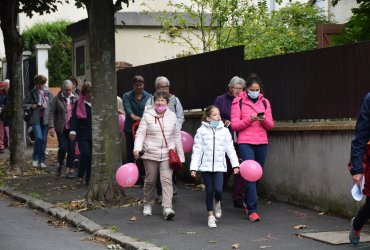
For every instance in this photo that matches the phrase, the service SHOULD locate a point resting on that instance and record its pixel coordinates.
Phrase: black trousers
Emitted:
(362, 215)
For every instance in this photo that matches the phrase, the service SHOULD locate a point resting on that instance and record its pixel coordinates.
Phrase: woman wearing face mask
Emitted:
(251, 117)
(39, 101)
(81, 131)
(157, 126)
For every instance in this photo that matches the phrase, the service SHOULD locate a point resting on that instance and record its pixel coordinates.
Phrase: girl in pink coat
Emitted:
(251, 117)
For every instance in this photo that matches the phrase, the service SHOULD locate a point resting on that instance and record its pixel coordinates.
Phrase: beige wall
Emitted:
(134, 47)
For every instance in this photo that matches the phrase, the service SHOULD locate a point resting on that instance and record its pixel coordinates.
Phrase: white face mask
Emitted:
(214, 123)
(254, 94)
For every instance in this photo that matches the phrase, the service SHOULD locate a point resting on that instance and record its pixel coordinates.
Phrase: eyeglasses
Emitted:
(164, 87)
(236, 88)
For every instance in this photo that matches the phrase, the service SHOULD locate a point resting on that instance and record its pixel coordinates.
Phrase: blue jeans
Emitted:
(257, 153)
(41, 135)
(214, 184)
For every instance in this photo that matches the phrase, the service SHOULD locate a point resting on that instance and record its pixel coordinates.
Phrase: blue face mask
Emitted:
(254, 94)
(214, 123)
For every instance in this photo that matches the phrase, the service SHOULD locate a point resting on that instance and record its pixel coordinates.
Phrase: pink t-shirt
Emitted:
(69, 115)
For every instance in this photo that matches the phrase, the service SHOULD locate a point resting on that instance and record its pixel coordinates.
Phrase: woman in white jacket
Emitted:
(150, 139)
(211, 142)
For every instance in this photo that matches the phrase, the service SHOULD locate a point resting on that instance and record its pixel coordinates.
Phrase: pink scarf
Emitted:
(81, 110)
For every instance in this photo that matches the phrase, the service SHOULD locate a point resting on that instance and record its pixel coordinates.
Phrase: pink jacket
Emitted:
(149, 136)
(250, 132)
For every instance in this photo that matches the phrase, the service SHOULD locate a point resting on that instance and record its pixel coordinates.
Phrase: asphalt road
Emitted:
(25, 229)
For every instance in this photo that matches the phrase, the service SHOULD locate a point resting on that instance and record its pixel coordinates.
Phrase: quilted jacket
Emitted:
(251, 132)
(210, 146)
(149, 136)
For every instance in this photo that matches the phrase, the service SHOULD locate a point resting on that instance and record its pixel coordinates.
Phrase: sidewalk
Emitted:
(188, 230)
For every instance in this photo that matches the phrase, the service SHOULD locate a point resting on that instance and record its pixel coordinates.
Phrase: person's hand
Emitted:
(357, 178)
(227, 123)
(261, 118)
(236, 170)
(72, 137)
(136, 154)
(51, 132)
(33, 106)
(193, 173)
(134, 117)
(254, 117)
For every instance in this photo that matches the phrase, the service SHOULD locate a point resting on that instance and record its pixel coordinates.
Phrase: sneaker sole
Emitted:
(254, 220)
(147, 214)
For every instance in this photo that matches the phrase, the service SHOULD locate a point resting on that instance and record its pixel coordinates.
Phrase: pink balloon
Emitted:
(121, 122)
(127, 175)
(251, 170)
(187, 141)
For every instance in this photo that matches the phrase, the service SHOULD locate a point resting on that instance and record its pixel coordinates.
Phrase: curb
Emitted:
(78, 220)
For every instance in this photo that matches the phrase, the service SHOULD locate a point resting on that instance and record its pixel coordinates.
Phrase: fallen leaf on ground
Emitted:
(212, 241)
(300, 227)
(188, 233)
(265, 246)
(235, 246)
(200, 187)
(114, 246)
(133, 218)
(17, 204)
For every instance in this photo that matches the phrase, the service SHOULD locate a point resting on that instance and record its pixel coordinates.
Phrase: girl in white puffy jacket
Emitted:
(211, 142)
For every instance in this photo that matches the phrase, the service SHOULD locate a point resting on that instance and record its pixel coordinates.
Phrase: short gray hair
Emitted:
(161, 79)
(66, 83)
(237, 80)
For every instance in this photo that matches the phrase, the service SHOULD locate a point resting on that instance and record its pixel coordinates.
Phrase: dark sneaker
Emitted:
(254, 217)
(58, 171)
(354, 236)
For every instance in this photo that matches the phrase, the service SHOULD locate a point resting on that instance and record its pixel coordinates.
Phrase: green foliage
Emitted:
(357, 29)
(287, 30)
(241, 22)
(60, 54)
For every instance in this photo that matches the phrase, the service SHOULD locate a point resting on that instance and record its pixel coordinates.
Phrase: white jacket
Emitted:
(210, 146)
(149, 136)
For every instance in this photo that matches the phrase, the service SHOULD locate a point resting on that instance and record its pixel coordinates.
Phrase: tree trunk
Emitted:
(106, 155)
(13, 50)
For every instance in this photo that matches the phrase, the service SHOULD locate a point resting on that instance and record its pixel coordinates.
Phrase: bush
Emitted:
(60, 54)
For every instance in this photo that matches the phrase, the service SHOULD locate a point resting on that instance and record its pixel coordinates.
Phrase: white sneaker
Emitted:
(147, 210)
(212, 222)
(43, 165)
(217, 209)
(35, 163)
(168, 213)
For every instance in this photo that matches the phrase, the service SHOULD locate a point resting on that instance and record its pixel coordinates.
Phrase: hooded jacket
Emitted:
(251, 132)
(210, 146)
(149, 136)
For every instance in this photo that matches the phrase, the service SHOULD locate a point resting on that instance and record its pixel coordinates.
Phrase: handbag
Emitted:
(174, 159)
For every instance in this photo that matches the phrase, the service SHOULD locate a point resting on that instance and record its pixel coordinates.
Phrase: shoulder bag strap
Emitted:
(162, 131)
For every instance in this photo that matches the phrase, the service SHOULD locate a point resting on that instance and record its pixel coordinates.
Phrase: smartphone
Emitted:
(261, 114)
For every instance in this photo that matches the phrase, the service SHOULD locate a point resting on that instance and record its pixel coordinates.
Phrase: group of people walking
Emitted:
(68, 116)
(238, 120)
(4, 116)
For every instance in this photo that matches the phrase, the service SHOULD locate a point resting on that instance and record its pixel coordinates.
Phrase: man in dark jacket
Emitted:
(358, 148)
(134, 104)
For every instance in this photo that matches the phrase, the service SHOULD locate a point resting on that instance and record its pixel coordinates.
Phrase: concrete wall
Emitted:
(306, 165)
(309, 169)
